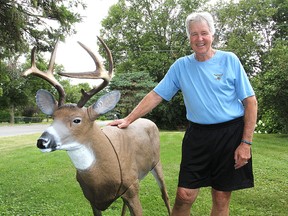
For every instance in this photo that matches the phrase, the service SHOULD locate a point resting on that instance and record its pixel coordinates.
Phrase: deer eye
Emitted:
(77, 121)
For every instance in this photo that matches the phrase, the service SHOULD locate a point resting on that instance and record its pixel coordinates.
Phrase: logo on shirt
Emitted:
(218, 76)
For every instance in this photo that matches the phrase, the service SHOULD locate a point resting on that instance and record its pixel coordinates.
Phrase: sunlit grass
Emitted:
(33, 183)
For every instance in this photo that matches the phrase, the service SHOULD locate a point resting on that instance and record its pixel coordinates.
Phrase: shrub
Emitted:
(4, 116)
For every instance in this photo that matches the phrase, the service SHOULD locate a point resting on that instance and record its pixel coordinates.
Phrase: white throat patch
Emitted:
(82, 157)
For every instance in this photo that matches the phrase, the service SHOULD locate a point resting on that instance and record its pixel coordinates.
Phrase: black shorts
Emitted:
(208, 157)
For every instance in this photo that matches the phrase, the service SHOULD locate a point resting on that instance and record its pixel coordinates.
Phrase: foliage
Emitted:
(35, 22)
(19, 93)
(24, 23)
(171, 115)
(246, 29)
(73, 92)
(147, 35)
(53, 178)
(13, 95)
(272, 89)
(133, 87)
(270, 123)
(280, 18)
(4, 116)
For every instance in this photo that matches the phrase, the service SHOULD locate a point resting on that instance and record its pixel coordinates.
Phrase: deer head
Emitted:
(68, 118)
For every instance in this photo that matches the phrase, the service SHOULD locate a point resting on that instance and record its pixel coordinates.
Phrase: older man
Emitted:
(222, 110)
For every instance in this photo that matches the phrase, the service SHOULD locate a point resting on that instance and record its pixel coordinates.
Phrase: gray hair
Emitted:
(200, 17)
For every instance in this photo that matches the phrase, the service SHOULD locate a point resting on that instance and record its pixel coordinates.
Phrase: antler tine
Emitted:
(99, 73)
(52, 59)
(110, 58)
(48, 75)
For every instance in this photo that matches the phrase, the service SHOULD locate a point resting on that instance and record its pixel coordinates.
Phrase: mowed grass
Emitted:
(34, 183)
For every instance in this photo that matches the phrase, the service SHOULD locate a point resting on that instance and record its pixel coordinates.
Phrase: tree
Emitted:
(133, 88)
(19, 92)
(245, 28)
(12, 89)
(26, 23)
(280, 18)
(148, 36)
(73, 92)
(272, 89)
(37, 22)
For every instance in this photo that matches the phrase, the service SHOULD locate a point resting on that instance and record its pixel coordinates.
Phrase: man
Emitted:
(222, 110)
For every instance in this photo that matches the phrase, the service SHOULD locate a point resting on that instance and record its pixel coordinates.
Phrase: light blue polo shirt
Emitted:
(212, 90)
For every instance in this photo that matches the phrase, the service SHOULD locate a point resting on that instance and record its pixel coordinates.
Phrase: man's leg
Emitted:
(184, 199)
(221, 201)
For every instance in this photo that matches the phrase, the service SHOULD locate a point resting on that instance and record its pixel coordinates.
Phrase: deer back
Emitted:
(137, 147)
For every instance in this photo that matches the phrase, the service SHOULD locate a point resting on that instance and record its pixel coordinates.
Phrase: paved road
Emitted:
(28, 129)
(22, 129)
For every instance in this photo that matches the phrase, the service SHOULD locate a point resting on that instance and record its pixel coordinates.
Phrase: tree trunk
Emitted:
(12, 112)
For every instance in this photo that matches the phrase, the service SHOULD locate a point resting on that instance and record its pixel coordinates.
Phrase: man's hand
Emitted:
(120, 123)
(242, 155)
(150, 101)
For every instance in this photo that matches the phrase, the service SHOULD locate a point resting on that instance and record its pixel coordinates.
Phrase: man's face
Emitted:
(200, 38)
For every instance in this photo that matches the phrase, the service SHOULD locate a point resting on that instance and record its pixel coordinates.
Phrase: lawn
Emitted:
(34, 183)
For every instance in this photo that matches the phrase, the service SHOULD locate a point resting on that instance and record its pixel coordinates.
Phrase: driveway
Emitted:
(16, 130)
(22, 129)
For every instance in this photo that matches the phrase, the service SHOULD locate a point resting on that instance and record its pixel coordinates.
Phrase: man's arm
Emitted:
(250, 118)
(149, 102)
(243, 152)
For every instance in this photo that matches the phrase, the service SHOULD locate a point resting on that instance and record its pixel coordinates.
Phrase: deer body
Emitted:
(109, 161)
(121, 166)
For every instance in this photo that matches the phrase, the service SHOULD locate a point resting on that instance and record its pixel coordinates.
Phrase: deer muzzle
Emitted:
(46, 142)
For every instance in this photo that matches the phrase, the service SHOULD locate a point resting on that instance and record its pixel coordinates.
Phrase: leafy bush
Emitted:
(4, 116)
(270, 123)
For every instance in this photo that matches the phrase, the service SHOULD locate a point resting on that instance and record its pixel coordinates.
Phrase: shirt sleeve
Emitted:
(169, 85)
(242, 83)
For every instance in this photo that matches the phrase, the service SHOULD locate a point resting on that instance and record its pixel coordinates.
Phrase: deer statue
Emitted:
(109, 162)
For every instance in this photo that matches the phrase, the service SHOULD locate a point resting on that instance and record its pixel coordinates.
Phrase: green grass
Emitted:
(34, 183)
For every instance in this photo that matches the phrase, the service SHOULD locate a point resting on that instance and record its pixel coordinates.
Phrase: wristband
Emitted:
(247, 142)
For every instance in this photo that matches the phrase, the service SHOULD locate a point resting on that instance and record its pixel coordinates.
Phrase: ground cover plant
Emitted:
(34, 183)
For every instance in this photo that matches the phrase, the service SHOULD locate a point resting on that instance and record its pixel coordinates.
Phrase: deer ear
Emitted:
(106, 103)
(46, 102)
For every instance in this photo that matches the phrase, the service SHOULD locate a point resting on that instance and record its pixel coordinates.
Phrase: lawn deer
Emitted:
(109, 161)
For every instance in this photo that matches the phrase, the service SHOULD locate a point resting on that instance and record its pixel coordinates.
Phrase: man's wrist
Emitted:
(129, 119)
(246, 142)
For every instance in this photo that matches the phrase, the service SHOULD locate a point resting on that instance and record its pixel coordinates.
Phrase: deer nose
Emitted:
(46, 141)
(40, 143)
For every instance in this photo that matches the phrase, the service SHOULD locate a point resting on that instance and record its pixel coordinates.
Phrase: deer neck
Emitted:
(92, 151)
(82, 158)
(102, 174)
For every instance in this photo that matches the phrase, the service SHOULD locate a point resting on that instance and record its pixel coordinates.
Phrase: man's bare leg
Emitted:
(184, 199)
(221, 201)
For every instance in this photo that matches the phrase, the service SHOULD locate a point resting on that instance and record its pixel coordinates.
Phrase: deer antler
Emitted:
(99, 73)
(48, 75)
